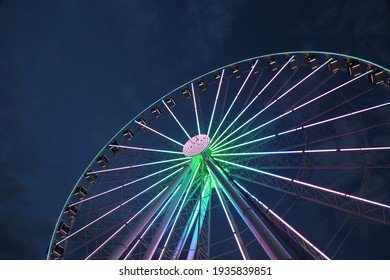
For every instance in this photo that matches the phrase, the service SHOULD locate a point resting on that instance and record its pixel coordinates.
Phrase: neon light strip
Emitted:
(127, 184)
(307, 151)
(288, 112)
(146, 149)
(284, 222)
(306, 184)
(173, 115)
(231, 123)
(309, 125)
(253, 100)
(231, 105)
(178, 213)
(246, 143)
(159, 133)
(332, 90)
(117, 207)
(204, 202)
(195, 107)
(229, 220)
(216, 101)
(135, 166)
(186, 231)
(124, 225)
(151, 223)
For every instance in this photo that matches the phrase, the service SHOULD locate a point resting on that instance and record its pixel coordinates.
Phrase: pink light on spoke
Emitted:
(284, 222)
(306, 184)
(146, 149)
(128, 184)
(364, 149)
(159, 133)
(135, 166)
(124, 225)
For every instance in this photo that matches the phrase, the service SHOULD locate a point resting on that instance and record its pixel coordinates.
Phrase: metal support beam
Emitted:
(264, 236)
(122, 246)
(203, 203)
(186, 232)
(167, 218)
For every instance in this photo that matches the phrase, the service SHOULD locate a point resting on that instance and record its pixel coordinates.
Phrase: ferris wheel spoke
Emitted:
(204, 201)
(176, 119)
(129, 183)
(263, 235)
(332, 90)
(125, 224)
(308, 151)
(287, 228)
(195, 107)
(146, 149)
(336, 118)
(135, 166)
(186, 232)
(168, 207)
(338, 135)
(335, 106)
(122, 246)
(287, 112)
(234, 101)
(216, 101)
(274, 101)
(159, 133)
(229, 217)
(183, 190)
(118, 207)
(306, 126)
(179, 212)
(194, 216)
(316, 88)
(255, 85)
(353, 204)
(231, 123)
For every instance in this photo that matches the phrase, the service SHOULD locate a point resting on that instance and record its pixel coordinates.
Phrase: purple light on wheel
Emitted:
(196, 145)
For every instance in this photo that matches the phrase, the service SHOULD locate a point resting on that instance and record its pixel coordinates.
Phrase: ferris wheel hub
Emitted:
(196, 145)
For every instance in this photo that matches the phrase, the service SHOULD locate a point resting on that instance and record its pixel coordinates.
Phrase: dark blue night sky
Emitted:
(72, 73)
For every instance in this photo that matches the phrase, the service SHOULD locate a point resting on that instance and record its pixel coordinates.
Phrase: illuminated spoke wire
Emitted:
(220, 144)
(119, 206)
(195, 107)
(364, 149)
(135, 166)
(159, 133)
(234, 101)
(125, 225)
(215, 102)
(152, 223)
(146, 149)
(337, 118)
(254, 99)
(290, 228)
(178, 122)
(232, 225)
(345, 195)
(179, 212)
(128, 184)
(305, 126)
(286, 113)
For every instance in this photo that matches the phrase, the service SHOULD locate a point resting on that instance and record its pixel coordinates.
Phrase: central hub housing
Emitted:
(196, 145)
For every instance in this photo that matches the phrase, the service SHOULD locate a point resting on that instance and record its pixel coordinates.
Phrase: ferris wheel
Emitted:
(281, 156)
